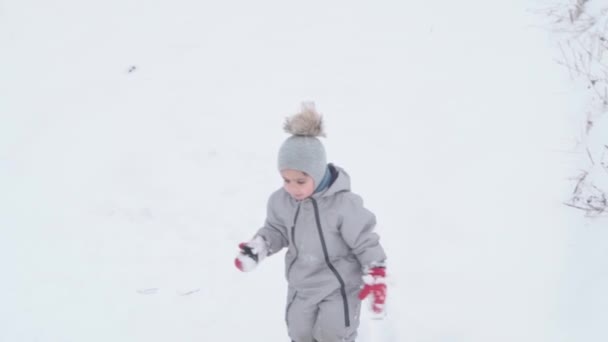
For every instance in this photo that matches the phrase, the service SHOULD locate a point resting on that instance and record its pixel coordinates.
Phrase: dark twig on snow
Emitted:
(590, 156)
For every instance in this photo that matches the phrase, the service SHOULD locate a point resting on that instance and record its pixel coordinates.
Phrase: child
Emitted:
(334, 258)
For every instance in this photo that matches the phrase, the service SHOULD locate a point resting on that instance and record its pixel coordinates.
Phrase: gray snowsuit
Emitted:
(330, 239)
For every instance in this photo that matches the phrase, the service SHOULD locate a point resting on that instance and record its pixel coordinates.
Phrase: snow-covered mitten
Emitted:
(374, 285)
(251, 254)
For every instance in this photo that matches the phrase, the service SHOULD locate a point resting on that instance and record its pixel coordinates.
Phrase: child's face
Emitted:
(298, 184)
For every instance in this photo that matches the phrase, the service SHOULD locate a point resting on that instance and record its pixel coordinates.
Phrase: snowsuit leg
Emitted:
(330, 324)
(310, 320)
(300, 317)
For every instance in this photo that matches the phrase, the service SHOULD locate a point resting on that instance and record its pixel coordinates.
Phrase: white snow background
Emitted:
(138, 147)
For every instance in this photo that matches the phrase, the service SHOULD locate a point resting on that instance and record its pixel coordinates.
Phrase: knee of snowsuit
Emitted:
(328, 319)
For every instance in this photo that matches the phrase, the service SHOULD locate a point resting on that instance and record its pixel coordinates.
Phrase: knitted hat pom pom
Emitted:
(308, 122)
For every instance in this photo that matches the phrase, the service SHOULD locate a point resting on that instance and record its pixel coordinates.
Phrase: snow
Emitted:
(138, 146)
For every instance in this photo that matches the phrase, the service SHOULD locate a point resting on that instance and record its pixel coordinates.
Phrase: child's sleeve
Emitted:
(273, 231)
(357, 228)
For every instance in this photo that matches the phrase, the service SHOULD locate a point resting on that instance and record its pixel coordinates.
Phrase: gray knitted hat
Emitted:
(303, 151)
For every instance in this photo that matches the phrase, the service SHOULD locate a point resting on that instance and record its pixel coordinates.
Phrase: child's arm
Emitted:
(357, 228)
(269, 239)
(273, 231)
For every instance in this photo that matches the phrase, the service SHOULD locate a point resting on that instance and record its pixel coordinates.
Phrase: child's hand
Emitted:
(251, 254)
(375, 285)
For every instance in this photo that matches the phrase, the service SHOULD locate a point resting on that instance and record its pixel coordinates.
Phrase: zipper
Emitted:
(330, 265)
(293, 240)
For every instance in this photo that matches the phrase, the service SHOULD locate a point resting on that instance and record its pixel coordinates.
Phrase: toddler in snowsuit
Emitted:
(334, 258)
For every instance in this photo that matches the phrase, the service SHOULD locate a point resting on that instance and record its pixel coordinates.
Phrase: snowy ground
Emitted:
(138, 145)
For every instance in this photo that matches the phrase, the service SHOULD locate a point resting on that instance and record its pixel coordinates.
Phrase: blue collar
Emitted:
(324, 184)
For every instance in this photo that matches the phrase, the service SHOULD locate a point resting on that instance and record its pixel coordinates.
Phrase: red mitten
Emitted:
(375, 286)
(251, 254)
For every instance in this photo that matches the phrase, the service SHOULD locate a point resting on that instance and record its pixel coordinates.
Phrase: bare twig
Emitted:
(575, 206)
(578, 10)
(581, 179)
(590, 156)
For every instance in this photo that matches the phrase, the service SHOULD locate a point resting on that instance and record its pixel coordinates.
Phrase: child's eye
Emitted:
(301, 182)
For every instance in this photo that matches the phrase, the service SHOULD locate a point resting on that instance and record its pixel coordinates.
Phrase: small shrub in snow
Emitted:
(582, 29)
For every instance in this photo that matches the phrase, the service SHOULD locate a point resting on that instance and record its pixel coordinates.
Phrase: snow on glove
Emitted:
(251, 254)
(375, 287)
